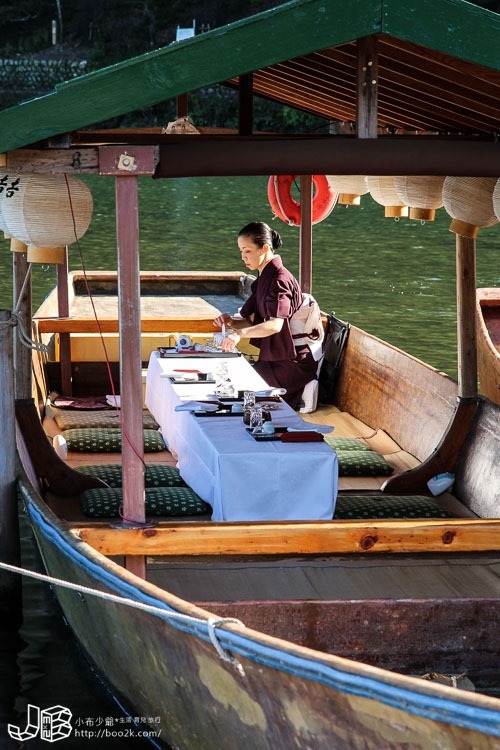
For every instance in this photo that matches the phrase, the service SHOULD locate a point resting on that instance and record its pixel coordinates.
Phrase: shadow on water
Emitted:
(42, 665)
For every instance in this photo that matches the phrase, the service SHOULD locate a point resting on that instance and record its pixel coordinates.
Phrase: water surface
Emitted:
(396, 279)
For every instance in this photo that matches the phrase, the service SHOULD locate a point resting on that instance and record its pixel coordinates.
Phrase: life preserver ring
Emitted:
(287, 208)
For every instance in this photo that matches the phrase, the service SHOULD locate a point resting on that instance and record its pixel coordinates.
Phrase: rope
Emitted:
(99, 328)
(37, 346)
(212, 623)
(16, 320)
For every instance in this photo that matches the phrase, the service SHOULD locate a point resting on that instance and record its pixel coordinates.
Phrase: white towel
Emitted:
(271, 392)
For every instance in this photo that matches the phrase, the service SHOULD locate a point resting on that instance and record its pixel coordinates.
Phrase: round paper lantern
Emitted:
(349, 187)
(8, 185)
(496, 200)
(45, 211)
(383, 191)
(469, 202)
(423, 194)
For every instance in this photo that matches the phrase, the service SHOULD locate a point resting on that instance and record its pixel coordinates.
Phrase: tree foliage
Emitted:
(112, 30)
(107, 31)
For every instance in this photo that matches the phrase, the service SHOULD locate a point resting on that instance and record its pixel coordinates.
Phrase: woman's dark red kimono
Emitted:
(276, 294)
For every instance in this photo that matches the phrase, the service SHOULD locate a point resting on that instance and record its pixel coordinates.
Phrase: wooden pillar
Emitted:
(466, 316)
(305, 251)
(127, 230)
(182, 106)
(64, 338)
(367, 87)
(126, 164)
(245, 111)
(9, 528)
(22, 298)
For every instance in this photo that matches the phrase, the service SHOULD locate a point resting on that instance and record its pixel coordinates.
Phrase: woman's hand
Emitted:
(223, 319)
(229, 342)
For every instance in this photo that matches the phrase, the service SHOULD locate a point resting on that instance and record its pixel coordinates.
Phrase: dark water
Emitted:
(394, 279)
(42, 665)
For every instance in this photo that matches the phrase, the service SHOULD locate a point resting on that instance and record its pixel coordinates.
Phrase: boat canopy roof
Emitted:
(438, 64)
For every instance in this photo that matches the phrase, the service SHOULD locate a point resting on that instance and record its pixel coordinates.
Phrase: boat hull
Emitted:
(275, 695)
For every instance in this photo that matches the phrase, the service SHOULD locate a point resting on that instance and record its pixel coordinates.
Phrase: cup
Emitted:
(237, 408)
(248, 404)
(202, 376)
(256, 419)
(268, 428)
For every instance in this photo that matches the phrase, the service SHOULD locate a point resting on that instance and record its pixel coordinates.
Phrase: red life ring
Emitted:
(287, 208)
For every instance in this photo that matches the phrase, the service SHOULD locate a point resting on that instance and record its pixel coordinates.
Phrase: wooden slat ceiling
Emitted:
(418, 89)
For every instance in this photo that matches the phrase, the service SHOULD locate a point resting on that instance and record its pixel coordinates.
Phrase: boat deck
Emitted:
(345, 425)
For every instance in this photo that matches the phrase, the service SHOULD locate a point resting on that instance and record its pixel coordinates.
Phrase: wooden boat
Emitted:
(309, 622)
(488, 342)
(287, 634)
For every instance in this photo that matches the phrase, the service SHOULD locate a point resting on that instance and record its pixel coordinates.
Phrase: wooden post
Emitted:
(466, 316)
(245, 111)
(305, 251)
(367, 87)
(22, 299)
(9, 528)
(182, 106)
(64, 338)
(126, 165)
(127, 230)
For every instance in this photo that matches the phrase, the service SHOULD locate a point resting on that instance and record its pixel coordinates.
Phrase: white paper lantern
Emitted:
(349, 187)
(496, 200)
(469, 202)
(422, 193)
(383, 191)
(46, 211)
(8, 186)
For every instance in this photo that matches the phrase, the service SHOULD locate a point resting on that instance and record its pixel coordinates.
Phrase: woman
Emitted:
(265, 316)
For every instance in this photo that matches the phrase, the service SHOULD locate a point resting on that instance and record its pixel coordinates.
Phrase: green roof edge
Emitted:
(296, 28)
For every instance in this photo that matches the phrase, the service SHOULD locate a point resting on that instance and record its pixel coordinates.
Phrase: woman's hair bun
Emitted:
(277, 241)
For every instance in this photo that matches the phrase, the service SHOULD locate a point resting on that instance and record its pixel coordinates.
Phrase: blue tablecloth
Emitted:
(240, 478)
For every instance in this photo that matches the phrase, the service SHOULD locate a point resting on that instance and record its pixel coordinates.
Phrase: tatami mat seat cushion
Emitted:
(388, 506)
(362, 463)
(85, 418)
(108, 440)
(155, 475)
(346, 443)
(160, 501)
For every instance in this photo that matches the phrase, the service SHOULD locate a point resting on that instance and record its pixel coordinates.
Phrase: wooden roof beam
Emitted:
(265, 155)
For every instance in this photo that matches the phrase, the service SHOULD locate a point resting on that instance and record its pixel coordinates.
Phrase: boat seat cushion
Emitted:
(160, 501)
(155, 475)
(362, 463)
(346, 443)
(108, 440)
(75, 420)
(388, 506)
